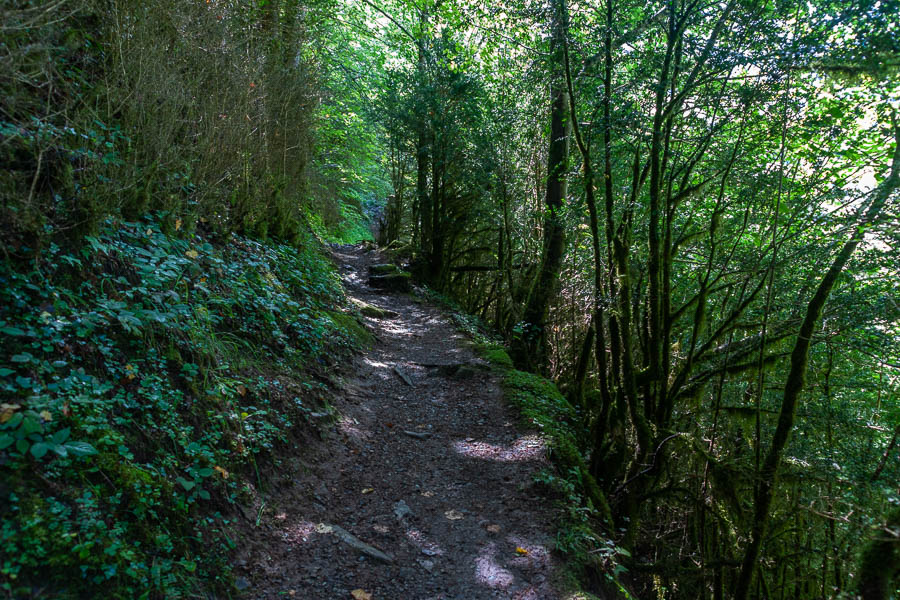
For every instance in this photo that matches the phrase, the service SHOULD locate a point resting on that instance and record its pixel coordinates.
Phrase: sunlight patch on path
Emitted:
(302, 532)
(350, 427)
(529, 447)
(489, 572)
(535, 557)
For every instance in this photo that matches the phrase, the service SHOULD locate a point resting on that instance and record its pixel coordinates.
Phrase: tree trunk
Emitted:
(422, 152)
(530, 348)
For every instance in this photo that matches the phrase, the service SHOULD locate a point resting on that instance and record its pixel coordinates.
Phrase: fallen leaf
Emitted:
(453, 515)
(323, 528)
(368, 490)
(361, 595)
(46, 416)
(428, 494)
(192, 254)
(241, 390)
(389, 424)
(493, 528)
(521, 550)
(177, 224)
(221, 471)
(7, 411)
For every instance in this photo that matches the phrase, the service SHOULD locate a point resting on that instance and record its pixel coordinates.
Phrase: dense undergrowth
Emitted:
(151, 379)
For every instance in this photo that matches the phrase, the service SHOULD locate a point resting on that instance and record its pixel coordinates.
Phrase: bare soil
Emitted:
(434, 474)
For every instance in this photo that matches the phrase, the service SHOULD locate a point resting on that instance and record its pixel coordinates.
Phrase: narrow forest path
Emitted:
(433, 474)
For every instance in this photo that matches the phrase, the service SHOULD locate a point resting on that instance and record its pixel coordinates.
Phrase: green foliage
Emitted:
(350, 228)
(147, 378)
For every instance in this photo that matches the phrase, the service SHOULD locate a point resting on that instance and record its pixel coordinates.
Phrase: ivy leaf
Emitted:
(31, 425)
(61, 436)
(39, 449)
(80, 448)
(187, 485)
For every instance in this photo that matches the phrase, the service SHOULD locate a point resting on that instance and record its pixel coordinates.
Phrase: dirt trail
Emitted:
(434, 474)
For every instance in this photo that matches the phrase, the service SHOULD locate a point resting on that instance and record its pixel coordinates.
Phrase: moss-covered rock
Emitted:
(395, 282)
(355, 330)
(370, 310)
(383, 269)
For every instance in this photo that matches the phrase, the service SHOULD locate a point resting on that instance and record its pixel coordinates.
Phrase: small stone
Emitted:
(360, 546)
(241, 584)
(428, 565)
(402, 510)
(402, 375)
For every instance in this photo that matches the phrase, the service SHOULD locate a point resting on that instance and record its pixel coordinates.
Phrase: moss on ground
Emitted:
(582, 503)
(495, 354)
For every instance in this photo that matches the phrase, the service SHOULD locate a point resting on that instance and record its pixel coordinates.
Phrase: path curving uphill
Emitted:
(424, 489)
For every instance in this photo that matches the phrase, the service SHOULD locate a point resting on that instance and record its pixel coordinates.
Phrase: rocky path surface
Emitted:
(424, 489)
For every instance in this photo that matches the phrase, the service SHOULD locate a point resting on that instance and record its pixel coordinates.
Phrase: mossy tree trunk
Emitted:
(530, 348)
